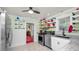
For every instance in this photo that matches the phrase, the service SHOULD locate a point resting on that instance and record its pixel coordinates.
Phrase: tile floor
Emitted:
(30, 47)
(72, 46)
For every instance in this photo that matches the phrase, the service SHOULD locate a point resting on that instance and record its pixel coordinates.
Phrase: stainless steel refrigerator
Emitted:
(5, 31)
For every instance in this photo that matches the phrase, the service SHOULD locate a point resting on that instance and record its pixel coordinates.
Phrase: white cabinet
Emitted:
(48, 40)
(57, 42)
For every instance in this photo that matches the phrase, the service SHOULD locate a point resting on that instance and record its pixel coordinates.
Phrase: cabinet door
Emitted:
(55, 44)
(58, 43)
(62, 42)
(48, 40)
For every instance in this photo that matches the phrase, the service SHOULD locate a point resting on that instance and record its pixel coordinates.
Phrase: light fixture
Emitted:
(30, 11)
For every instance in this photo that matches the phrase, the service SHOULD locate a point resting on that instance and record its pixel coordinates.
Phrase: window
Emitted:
(64, 23)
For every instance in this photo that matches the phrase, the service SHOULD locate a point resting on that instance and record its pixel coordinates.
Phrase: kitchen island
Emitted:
(56, 42)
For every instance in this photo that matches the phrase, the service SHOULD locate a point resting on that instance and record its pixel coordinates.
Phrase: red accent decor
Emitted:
(29, 39)
(52, 20)
(53, 24)
(70, 28)
(48, 20)
(48, 24)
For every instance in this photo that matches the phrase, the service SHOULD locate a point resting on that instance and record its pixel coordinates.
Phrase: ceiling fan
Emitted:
(31, 11)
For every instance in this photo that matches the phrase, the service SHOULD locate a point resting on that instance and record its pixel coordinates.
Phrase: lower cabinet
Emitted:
(58, 43)
(48, 40)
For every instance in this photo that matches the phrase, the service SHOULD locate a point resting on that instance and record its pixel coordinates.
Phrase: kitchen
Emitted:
(56, 29)
(61, 31)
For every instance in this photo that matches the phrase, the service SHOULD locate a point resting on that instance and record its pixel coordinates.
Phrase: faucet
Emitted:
(63, 32)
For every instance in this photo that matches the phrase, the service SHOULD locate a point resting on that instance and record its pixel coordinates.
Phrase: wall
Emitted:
(19, 35)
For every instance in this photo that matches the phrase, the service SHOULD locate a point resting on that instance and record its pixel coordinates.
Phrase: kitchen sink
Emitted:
(62, 36)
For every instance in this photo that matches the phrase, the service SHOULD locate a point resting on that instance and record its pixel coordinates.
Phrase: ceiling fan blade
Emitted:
(25, 10)
(36, 11)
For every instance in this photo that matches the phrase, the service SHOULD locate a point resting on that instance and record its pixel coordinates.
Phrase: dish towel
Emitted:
(70, 28)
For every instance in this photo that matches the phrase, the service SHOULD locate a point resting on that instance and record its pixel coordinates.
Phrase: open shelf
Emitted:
(75, 21)
(75, 16)
(48, 25)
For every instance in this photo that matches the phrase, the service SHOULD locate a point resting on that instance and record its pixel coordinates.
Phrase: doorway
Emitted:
(29, 33)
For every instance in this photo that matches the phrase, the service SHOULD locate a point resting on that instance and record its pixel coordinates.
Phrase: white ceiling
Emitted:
(44, 11)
